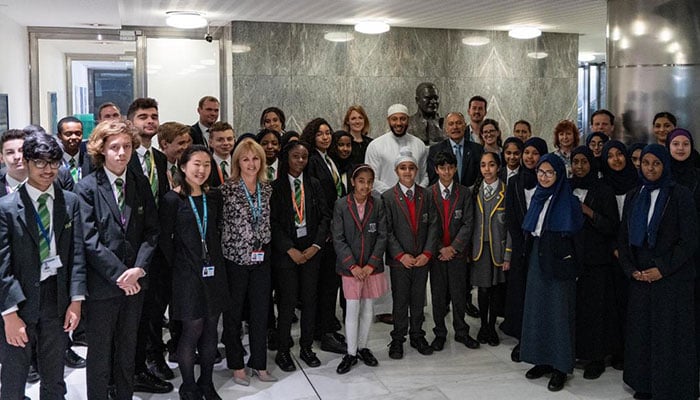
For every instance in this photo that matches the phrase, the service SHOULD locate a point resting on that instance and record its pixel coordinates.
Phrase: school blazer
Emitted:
(19, 253)
(461, 215)
(110, 248)
(318, 168)
(471, 156)
(282, 213)
(359, 242)
(161, 169)
(400, 237)
(492, 225)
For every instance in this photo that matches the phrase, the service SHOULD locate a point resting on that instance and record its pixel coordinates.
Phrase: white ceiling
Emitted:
(586, 17)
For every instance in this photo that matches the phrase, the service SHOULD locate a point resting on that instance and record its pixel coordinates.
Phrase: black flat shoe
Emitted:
(483, 335)
(422, 346)
(160, 369)
(332, 344)
(208, 391)
(346, 364)
(467, 341)
(284, 360)
(493, 339)
(472, 311)
(594, 370)
(367, 357)
(148, 383)
(189, 393)
(396, 350)
(385, 319)
(438, 343)
(73, 360)
(557, 381)
(538, 371)
(309, 357)
(515, 354)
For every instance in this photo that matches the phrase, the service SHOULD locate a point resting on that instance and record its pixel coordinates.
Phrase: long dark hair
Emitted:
(308, 135)
(179, 178)
(480, 178)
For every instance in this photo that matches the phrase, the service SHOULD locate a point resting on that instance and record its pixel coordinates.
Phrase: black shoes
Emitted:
(594, 370)
(618, 363)
(346, 364)
(208, 391)
(467, 341)
(396, 350)
(493, 339)
(642, 395)
(73, 360)
(190, 393)
(284, 360)
(386, 319)
(438, 343)
(483, 335)
(538, 371)
(422, 346)
(148, 383)
(367, 357)
(309, 357)
(557, 381)
(334, 342)
(33, 375)
(79, 340)
(515, 354)
(472, 311)
(160, 369)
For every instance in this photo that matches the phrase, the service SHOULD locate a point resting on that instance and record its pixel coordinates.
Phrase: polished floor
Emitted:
(454, 373)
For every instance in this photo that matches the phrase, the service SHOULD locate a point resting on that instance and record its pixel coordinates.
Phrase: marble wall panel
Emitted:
(311, 54)
(270, 48)
(316, 96)
(252, 94)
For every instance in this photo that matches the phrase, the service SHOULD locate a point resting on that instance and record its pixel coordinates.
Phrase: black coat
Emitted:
(471, 157)
(318, 169)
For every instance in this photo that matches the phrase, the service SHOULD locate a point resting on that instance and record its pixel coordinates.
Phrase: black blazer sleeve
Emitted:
(65, 180)
(11, 293)
(78, 285)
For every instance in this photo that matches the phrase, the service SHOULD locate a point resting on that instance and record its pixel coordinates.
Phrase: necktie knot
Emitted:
(446, 194)
(72, 162)
(270, 172)
(488, 191)
(409, 194)
(43, 198)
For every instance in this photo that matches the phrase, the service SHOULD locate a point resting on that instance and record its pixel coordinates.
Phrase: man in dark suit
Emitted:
(208, 110)
(221, 140)
(120, 233)
(75, 157)
(151, 369)
(468, 168)
(42, 272)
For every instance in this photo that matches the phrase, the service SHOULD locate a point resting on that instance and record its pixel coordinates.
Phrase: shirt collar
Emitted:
(34, 193)
(67, 157)
(404, 189)
(493, 185)
(291, 178)
(12, 182)
(442, 187)
(112, 177)
(141, 151)
(205, 129)
(453, 143)
(219, 160)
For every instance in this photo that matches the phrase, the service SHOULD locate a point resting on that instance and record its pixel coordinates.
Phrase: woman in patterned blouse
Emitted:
(245, 240)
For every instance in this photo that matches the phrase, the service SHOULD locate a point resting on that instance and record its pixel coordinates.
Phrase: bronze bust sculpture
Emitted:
(426, 123)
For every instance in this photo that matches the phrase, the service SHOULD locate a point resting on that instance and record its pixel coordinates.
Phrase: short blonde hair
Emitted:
(242, 148)
(104, 130)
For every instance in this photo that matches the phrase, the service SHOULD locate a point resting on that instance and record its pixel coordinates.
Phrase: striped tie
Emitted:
(45, 218)
(270, 173)
(152, 175)
(297, 199)
(409, 195)
(74, 170)
(119, 183)
(224, 169)
(336, 178)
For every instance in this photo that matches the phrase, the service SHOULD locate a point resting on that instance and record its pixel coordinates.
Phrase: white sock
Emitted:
(352, 315)
(366, 317)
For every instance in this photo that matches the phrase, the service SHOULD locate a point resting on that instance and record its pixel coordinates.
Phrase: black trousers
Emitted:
(408, 286)
(251, 282)
(448, 277)
(296, 283)
(327, 292)
(113, 326)
(149, 344)
(50, 341)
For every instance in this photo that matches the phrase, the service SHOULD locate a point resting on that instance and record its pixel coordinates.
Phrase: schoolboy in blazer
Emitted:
(43, 296)
(120, 231)
(221, 141)
(411, 242)
(448, 274)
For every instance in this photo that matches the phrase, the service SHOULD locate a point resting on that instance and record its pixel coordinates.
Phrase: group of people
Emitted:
(588, 252)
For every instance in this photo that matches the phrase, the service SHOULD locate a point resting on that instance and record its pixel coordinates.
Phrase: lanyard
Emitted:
(201, 226)
(256, 210)
(46, 233)
(299, 209)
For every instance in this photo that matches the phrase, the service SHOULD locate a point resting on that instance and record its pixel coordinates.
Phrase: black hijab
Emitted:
(620, 181)
(529, 176)
(588, 181)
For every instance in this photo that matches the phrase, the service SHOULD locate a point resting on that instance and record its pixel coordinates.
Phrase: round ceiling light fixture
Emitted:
(185, 19)
(372, 27)
(338, 36)
(525, 32)
(476, 40)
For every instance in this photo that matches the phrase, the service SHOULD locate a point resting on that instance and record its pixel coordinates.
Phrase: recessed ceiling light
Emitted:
(372, 27)
(338, 36)
(538, 55)
(586, 57)
(185, 19)
(240, 48)
(524, 32)
(475, 40)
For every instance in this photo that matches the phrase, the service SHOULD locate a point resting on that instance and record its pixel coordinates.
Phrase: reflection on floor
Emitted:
(454, 373)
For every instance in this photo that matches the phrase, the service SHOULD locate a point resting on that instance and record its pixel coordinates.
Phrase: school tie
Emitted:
(488, 191)
(446, 194)
(74, 173)
(45, 218)
(173, 170)
(336, 178)
(409, 195)
(297, 199)
(224, 169)
(270, 173)
(151, 174)
(119, 183)
(458, 155)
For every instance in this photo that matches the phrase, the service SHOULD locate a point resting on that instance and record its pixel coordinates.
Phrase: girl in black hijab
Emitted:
(618, 171)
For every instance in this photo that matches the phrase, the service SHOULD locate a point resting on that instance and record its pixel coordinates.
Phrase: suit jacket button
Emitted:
(37, 284)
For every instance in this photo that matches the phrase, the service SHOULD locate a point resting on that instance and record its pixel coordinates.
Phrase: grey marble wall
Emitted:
(293, 67)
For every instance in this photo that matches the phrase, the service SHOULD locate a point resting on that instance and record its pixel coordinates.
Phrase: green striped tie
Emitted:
(336, 178)
(119, 183)
(74, 170)
(297, 199)
(45, 218)
(152, 176)
(224, 169)
(270, 173)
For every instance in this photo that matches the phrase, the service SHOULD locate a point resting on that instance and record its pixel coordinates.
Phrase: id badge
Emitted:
(301, 232)
(51, 264)
(208, 271)
(257, 256)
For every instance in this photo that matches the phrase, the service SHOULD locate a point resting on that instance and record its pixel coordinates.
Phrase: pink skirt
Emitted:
(371, 288)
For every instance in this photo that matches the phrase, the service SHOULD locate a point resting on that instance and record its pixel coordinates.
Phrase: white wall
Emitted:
(14, 70)
(52, 78)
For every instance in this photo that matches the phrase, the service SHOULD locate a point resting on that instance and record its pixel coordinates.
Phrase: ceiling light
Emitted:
(538, 55)
(665, 35)
(586, 57)
(524, 32)
(372, 27)
(475, 40)
(338, 36)
(185, 19)
(240, 48)
(639, 27)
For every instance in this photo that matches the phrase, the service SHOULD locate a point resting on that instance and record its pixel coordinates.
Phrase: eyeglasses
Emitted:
(489, 132)
(548, 174)
(41, 164)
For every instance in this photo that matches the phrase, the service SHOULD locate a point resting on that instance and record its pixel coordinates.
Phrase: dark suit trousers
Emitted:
(328, 285)
(296, 282)
(252, 283)
(408, 293)
(449, 277)
(50, 340)
(149, 344)
(113, 325)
